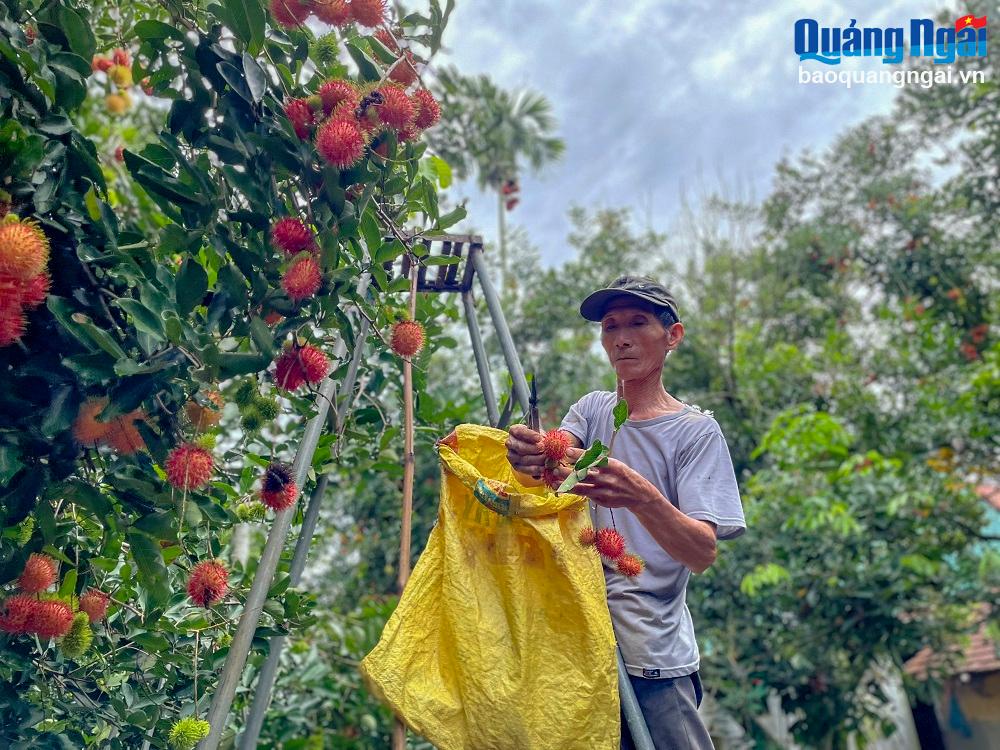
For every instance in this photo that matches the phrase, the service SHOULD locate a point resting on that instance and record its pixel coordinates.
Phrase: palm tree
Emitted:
(491, 132)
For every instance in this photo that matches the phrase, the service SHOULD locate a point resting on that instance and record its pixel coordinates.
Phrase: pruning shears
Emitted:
(533, 407)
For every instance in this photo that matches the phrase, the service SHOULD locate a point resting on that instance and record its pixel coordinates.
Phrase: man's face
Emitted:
(634, 338)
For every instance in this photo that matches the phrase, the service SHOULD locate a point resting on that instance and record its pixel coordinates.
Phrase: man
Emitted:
(673, 492)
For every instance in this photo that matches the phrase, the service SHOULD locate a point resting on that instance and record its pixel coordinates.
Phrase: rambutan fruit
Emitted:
(12, 324)
(250, 419)
(340, 142)
(404, 70)
(550, 478)
(338, 93)
(209, 583)
(50, 619)
(587, 536)
(268, 409)
(304, 364)
(428, 110)
(39, 573)
(250, 512)
(123, 436)
(278, 489)
(554, 444)
(16, 613)
(117, 104)
(302, 117)
(205, 416)
(333, 12)
(407, 338)
(610, 543)
(100, 63)
(325, 49)
(35, 290)
(292, 235)
(396, 110)
(24, 248)
(368, 12)
(95, 604)
(76, 642)
(86, 429)
(186, 733)
(302, 280)
(630, 565)
(384, 36)
(246, 392)
(273, 318)
(290, 13)
(120, 56)
(121, 75)
(189, 466)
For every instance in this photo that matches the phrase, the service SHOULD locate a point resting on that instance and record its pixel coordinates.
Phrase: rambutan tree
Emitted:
(142, 415)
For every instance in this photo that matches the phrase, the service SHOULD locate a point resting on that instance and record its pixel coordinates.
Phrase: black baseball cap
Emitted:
(640, 287)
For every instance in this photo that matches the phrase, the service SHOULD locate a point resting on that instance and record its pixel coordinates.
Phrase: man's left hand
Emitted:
(614, 485)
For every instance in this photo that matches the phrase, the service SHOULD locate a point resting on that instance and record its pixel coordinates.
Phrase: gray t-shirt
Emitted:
(685, 455)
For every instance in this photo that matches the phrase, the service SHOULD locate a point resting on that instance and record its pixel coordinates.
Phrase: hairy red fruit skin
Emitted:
(610, 543)
(333, 12)
(208, 584)
(428, 110)
(278, 488)
(189, 466)
(306, 364)
(554, 444)
(302, 280)
(292, 235)
(340, 142)
(16, 613)
(39, 573)
(396, 110)
(338, 93)
(630, 565)
(368, 12)
(95, 604)
(588, 536)
(300, 114)
(50, 619)
(407, 338)
(289, 13)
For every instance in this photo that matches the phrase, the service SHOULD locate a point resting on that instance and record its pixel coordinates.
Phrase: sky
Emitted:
(659, 99)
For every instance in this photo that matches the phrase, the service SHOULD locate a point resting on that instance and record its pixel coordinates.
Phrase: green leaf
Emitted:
(232, 364)
(234, 77)
(89, 497)
(149, 561)
(77, 31)
(192, 283)
(246, 17)
(151, 29)
(452, 217)
(366, 66)
(142, 317)
(68, 585)
(256, 80)
(262, 336)
(620, 413)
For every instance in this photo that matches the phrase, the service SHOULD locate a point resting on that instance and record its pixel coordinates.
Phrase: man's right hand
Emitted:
(524, 452)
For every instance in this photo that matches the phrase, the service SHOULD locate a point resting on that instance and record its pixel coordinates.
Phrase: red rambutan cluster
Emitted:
(95, 604)
(292, 235)
(39, 573)
(120, 433)
(189, 466)
(209, 583)
(278, 489)
(407, 338)
(298, 365)
(24, 280)
(611, 545)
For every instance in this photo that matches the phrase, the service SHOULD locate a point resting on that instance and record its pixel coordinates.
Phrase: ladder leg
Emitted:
(500, 325)
(481, 364)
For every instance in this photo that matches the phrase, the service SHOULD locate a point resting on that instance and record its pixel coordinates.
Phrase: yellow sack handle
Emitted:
(502, 493)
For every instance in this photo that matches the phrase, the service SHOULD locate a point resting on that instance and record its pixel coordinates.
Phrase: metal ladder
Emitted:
(454, 277)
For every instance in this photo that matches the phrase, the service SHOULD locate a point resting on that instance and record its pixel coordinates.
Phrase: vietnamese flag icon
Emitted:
(970, 22)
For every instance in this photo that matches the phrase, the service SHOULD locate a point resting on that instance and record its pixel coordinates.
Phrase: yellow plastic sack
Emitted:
(502, 638)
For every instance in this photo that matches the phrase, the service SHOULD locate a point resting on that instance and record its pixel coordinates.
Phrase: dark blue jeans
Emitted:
(670, 707)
